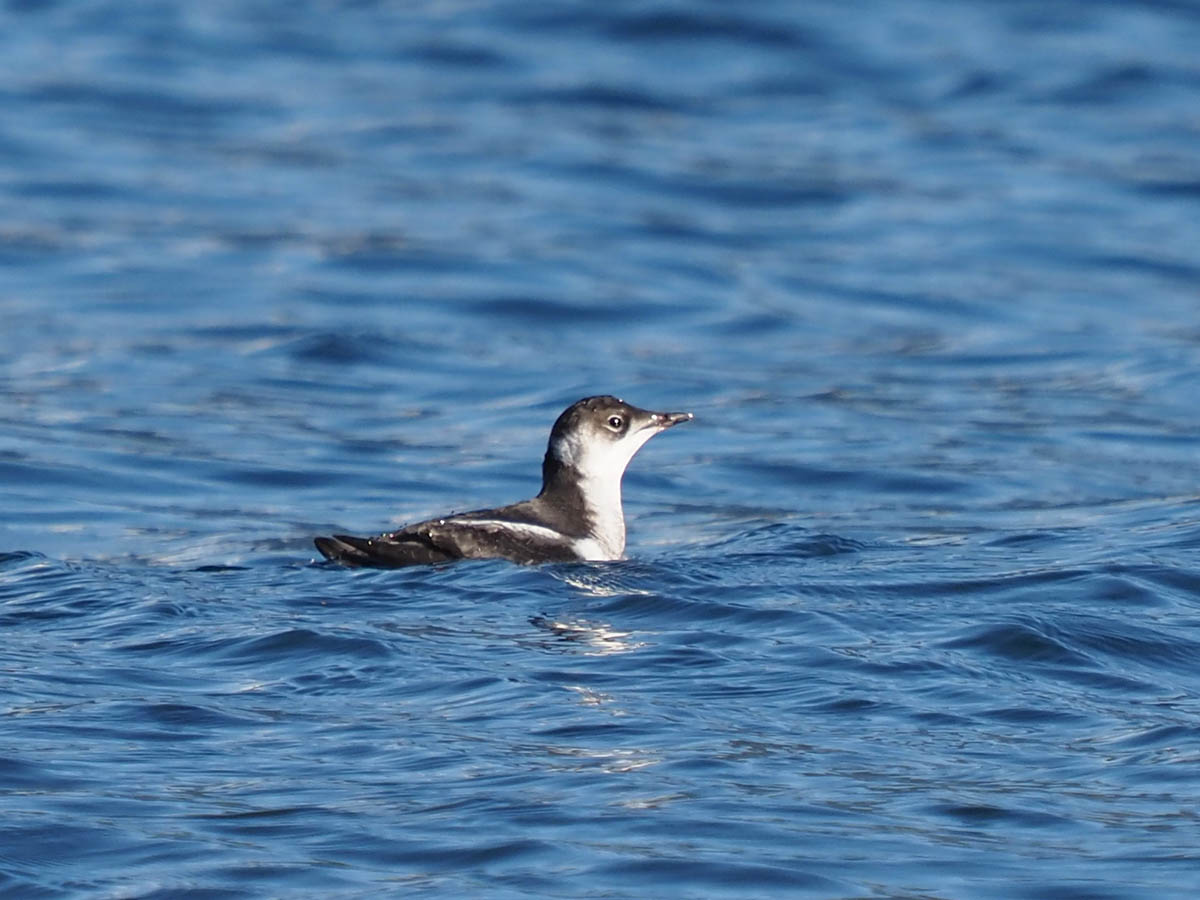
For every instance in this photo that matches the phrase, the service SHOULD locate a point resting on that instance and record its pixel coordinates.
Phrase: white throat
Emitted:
(601, 467)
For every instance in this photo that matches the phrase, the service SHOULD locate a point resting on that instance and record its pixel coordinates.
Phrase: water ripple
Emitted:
(911, 608)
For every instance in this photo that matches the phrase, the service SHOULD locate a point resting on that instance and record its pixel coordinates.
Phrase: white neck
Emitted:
(602, 497)
(601, 468)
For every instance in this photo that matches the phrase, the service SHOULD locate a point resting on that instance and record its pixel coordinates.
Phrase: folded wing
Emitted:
(442, 540)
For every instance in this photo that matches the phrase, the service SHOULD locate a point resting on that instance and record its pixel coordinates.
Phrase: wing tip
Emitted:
(341, 548)
(383, 552)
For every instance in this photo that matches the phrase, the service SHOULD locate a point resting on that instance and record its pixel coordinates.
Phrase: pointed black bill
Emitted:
(666, 420)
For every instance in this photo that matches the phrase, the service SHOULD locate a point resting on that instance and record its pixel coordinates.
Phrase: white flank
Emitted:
(538, 531)
(587, 548)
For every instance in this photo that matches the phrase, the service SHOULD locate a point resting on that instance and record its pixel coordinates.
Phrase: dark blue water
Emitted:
(911, 610)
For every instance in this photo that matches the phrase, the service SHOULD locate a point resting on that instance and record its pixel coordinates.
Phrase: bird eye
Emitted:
(616, 423)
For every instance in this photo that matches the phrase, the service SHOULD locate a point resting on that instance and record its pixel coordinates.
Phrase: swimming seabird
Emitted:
(577, 515)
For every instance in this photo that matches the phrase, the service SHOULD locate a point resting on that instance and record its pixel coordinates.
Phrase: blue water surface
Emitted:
(911, 609)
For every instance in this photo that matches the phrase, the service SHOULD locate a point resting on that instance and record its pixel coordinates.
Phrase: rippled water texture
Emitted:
(911, 609)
